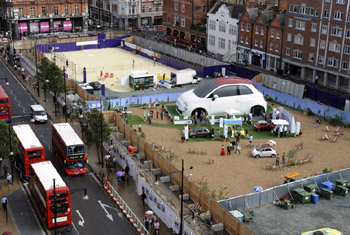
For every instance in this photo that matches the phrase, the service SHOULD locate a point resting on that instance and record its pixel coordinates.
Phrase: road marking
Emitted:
(81, 220)
(109, 216)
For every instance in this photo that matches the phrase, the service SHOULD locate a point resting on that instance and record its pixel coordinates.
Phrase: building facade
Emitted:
(317, 42)
(275, 43)
(24, 17)
(222, 30)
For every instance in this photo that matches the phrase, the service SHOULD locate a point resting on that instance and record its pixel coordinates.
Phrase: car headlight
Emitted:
(186, 103)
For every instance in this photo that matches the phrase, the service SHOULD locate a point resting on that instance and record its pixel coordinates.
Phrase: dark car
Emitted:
(199, 132)
(263, 126)
(95, 85)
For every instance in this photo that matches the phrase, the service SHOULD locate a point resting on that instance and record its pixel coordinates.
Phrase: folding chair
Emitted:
(106, 75)
(338, 129)
(335, 138)
(327, 129)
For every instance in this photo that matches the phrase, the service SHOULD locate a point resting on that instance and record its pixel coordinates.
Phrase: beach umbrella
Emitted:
(149, 213)
(258, 189)
(120, 173)
(271, 142)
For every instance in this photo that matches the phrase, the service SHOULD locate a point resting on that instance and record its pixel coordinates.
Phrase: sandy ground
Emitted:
(108, 60)
(240, 173)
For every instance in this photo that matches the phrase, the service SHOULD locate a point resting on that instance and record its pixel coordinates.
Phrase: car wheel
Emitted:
(257, 156)
(273, 155)
(259, 130)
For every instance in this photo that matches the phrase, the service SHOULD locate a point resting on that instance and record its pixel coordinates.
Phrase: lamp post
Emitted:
(182, 200)
(101, 134)
(45, 84)
(65, 92)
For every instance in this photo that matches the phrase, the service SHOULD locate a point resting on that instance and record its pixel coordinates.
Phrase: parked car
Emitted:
(264, 151)
(237, 128)
(221, 96)
(263, 126)
(199, 132)
(95, 85)
(323, 231)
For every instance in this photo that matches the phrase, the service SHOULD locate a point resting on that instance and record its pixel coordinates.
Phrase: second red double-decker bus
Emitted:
(5, 105)
(50, 194)
(69, 149)
(30, 149)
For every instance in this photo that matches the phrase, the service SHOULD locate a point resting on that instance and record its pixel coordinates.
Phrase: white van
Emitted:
(222, 96)
(38, 113)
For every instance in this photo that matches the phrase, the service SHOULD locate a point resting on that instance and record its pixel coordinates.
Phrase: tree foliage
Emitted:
(5, 141)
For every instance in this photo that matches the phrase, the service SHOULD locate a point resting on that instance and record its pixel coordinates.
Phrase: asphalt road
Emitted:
(98, 215)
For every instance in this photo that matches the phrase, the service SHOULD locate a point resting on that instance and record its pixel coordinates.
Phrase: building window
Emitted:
(311, 12)
(221, 43)
(316, 11)
(143, 8)
(332, 79)
(150, 8)
(321, 59)
(347, 34)
(32, 11)
(183, 7)
(242, 26)
(344, 82)
(334, 46)
(55, 10)
(311, 57)
(66, 9)
(299, 39)
(277, 34)
(262, 31)
(229, 47)
(183, 21)
(232, 29)
(256, 42)
(312, 42)
(76, 9)
(277, 46)
(204, 9)
(176, 18)
(176, 6)
(246, 40)
(212, 25)
(43, 11)
(242, 38)
(322, 44)
(272, 33)
(302, 9)
(271, 46)
(248, 27)
(20, 12)
(313, 27)
(324, 29)
(335, 31)
(297, 54)
(332, 62)
(261, 43)
(290, 23)
(295, 9)
(211, 40)
(222, 26)
(257, 29)
(326, 14)
(340, 1)
(338, 15)
(287, 51)
(291, 6)
(300, 25)
(289, 37)
(347, 49)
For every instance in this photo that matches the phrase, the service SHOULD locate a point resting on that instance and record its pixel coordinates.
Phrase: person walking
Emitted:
(156, 226)
(238, 149)
(144, 116)
(4, 203)
(277, 160)
(283, 158)
(139, 127)
(162, 115)
(9, 179)
(143, 198)
(5, 168)
(126, 170)
(285, 130)
(228, 150)
(222, 150)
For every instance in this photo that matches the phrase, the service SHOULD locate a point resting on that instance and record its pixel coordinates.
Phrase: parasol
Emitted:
(258, 189)
(149, 213)
(271, 142)
(120, 173)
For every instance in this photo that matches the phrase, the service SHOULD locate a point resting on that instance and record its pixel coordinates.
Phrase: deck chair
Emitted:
(106, 75)
(325, 136)
(210, 161)
(335, 138)
(338, 129)
(327, 129)
(268, 166)
(204, 152)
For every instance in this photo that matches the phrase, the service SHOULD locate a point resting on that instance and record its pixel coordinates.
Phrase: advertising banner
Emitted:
(67, 25)
(44, 27)
(23, 27)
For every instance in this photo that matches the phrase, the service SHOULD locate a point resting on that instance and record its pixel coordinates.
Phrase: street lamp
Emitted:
(45, 84)
(85, 197)
(101, 134)
(65, 91)
(10, 145)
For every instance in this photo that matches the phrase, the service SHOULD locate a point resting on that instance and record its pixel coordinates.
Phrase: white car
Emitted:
(264, 151)
(222, 96)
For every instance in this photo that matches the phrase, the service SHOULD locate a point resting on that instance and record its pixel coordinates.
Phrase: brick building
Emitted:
(317, 42)
(274, 43)
(23, 17)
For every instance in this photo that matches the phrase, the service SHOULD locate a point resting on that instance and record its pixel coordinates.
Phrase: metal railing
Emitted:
(138, 225)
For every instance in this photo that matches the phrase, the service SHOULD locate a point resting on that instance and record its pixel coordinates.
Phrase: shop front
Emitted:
(258, 58)
(23, 28)
(45, 27)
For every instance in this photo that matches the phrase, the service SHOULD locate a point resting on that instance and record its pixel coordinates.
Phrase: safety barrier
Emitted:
(125, 209)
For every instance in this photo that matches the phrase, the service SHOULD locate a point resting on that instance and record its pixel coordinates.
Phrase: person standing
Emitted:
(127, 169)
(277, 160)
(162, 115)
(139, 127)
(114, 161)
(9, 179)
(143, 198)
(5, 168)
(285, 130)
(144, 116)
(157, 114)
(238, 149)
(222, 150)
(228, 150)
(4, 203)
(316, 79)
(283, 158)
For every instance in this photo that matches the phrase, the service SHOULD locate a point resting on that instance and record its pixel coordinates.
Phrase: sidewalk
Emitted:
(127, 190)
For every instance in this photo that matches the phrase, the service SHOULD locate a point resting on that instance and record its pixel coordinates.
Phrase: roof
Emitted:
(232, 80)
(46, 172)
(267, 15)
(281, 18)
(26, 136)
(3, 93)
(67, 133)
(234, 9)
(253, 13)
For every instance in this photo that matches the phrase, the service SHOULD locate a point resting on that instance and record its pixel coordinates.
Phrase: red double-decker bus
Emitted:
(50, 194)
(30, 149)
(5, 105)
(69, 149)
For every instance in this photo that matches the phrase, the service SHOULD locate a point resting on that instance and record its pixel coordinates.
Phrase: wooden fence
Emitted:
(218, 212)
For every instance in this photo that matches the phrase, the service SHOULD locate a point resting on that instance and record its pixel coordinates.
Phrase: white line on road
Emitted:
(81, 220)
(109, 216)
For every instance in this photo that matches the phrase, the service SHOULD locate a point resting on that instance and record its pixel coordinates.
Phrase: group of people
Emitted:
(280, 131)
(148, 116)
(200, 117)
(7, 175)
(231, 147)
(151, 220)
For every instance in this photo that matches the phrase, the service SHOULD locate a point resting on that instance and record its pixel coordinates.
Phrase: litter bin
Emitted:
(296, 193)
(311, 188)
(314, 198)
(287, 205)
(327, 185)
(304, 197)
(341, 182)
(343, 191)
(237, 214)
(328, 194)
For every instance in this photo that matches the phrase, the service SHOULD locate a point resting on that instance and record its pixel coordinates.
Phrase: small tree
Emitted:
(5, 141)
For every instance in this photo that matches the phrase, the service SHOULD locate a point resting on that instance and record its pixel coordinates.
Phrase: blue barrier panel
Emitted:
(325, 98)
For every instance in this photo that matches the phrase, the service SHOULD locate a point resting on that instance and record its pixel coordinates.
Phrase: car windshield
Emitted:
(204, 89)
(40, 113)
(238, 128)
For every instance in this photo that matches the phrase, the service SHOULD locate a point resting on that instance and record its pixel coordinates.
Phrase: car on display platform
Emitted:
(199, 132)
(323, 231)
(238, 130)
(264, 151)
(263, 126)
(95, 85)
(222, 96)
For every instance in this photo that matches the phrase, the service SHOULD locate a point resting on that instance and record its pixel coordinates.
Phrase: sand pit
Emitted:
(109, 60)
(240, 173)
